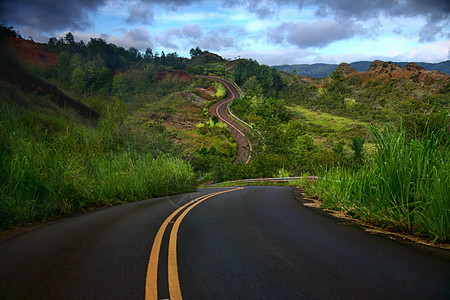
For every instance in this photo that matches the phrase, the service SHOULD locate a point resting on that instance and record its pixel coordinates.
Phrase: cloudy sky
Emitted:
(270, 31)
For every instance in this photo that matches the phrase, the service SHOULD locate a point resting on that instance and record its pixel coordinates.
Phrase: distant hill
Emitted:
(319, 70)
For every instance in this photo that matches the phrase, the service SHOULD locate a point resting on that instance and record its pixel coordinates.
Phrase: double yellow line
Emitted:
(151, 283)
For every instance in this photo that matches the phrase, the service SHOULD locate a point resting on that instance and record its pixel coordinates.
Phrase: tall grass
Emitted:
(405, 185)
(50, 166)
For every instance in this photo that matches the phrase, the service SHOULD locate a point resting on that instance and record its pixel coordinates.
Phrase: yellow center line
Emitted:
(174, 283)
(151, 282)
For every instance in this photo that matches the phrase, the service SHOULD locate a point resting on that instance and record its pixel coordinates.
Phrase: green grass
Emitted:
(335, 124)
(51, 165)
(404, 186)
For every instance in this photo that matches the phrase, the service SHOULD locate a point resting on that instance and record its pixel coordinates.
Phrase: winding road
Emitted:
(218, 243)
(239, 132)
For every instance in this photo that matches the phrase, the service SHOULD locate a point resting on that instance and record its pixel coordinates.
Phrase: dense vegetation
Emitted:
(53, 162)
(404, 186)
(154, 136)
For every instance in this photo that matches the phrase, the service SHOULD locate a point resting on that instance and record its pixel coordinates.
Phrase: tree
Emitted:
(134, 54)
(269, 78)
(69, 38)
(252, 84)
(337, 75)
(148, 55)
(78, 83)
(195, 52)
(52, 41)
(9, 32)
(357, 145)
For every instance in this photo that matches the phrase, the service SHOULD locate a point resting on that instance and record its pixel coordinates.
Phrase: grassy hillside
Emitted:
(54, 161)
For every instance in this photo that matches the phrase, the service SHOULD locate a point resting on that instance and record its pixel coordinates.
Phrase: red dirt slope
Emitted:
(31, 52)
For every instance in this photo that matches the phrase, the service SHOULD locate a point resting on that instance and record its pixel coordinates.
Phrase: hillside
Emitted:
(319, 70)
(14, 74)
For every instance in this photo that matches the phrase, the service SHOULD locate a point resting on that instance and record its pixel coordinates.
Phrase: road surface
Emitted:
(225, 243)
(239, 132)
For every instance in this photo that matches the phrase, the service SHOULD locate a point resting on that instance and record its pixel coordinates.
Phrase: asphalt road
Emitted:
(239, 132)
(219, 243)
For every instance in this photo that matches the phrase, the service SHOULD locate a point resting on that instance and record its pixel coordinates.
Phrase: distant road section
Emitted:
(239, 132)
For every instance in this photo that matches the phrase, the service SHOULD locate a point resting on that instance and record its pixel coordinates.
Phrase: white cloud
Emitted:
(273, 56)
(433, 53)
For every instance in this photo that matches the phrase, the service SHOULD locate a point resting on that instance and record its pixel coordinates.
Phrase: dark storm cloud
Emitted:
(47, 15)
(433, 10)
(140, 13)
(430, 32)
(359, 9)
(317, 34)
(436, 12)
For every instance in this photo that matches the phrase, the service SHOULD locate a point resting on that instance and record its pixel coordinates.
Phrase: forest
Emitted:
(380, 139)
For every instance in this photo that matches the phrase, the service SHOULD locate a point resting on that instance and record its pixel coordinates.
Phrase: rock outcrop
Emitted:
(413, 67)
(346, 69)
(382, 67)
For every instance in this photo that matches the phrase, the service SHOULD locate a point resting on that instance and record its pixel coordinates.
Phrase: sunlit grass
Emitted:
(336, 123)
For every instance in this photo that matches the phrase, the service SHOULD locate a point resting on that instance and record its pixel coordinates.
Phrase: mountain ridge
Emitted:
(322, 70)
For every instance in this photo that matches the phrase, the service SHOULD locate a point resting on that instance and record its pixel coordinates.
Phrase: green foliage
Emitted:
(221, 92)
(349, 103)
(257, 106)
(405, 185)
(252, 84)
(337, 75)
(268, 78)
(357, 145)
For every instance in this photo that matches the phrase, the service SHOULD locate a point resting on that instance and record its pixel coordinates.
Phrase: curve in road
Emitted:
(219, 109)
